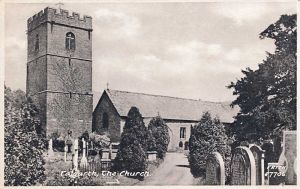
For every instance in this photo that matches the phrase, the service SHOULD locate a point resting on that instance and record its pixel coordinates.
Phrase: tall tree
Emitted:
(206, 137)
(23, 147)
(267, 96)
(131, 155)
(160, 133)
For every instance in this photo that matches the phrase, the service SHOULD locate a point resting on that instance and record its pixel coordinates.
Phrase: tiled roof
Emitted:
(170, 107)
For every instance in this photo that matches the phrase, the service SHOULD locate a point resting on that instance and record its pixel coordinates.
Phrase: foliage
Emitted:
(159, 130)
(23, 147)
(99, 141)
(267, 96)
(131, 155)
(206, 137)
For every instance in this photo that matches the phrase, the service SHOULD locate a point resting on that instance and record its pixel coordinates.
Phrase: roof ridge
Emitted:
(163, 96)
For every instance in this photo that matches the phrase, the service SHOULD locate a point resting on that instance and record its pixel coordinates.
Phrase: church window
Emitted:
(70, 41)
(37, 41)
(105, 120)
(182, 132)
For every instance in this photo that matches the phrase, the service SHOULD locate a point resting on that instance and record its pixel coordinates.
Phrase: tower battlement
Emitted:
(61, 16)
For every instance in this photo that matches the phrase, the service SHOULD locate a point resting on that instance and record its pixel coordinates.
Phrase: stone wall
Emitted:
(114, 127)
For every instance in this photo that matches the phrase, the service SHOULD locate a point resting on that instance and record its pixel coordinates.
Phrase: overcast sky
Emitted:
(190, 50)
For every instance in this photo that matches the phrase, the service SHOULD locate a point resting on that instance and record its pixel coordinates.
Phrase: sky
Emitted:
(189, 50)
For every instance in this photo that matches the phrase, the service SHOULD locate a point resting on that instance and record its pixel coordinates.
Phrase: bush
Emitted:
(160, 133)
(206, 137)
(131, 155)
(24, 163)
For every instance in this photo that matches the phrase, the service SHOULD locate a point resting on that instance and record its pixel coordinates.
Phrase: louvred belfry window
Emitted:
(70, 41)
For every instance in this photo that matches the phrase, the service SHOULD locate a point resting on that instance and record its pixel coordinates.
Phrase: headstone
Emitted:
(114, 153)
(215, 169)
(105, 154)
(288, 156)
(50, 147)
(87, 149)
(75, 155)
(258, 154)
(83, 161)
(151, 155)
(65, 152)
(243, 167)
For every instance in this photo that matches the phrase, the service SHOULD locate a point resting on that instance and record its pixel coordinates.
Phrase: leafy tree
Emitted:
(267, 96)
(206, 137)
(131, 155)
(159, 130)
(23, 147)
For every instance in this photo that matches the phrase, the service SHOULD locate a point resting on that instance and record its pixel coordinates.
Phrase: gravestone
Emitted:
(83, 161)
(65, 153)
(151, 155)
(259, 155)
(105, 154)
(288, 156)
(243, 167)
(75, 155)
(215, 169)
(50, 147)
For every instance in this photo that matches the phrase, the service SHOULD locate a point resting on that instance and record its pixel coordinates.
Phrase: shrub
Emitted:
(206, 137)
(23, 147)
(131, 155)
(160, 133)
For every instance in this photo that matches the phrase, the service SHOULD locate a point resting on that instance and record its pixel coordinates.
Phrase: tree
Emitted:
(131, 155)
(267, 96)
(23, 147)
(206, 137)
(159, 130)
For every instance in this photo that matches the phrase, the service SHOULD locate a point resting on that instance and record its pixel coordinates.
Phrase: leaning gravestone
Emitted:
(215, 169)
(288, 157)
(259, 155)
(243, 167)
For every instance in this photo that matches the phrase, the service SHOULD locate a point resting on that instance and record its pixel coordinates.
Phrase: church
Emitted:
(59, 80)
(180, 114)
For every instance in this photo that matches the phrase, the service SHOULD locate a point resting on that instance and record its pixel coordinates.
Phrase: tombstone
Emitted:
(65, 153)
(105, 154)
(75, 155)
(243, 167)
(259, 156)
(288, 157)
(87, 149)
(114, 153)
(50, 147)
(215, 169)
(83, 161)
(151, 155)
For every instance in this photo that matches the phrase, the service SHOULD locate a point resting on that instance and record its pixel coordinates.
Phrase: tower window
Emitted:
(70, 41)
(37, 42)
(105, 120)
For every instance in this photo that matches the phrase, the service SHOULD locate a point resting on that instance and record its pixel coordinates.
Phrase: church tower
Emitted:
(59, 70)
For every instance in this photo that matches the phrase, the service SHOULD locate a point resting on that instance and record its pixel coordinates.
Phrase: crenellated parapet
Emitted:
(61, 17)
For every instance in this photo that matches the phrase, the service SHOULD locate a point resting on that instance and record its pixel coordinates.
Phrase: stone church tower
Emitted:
(59, 70)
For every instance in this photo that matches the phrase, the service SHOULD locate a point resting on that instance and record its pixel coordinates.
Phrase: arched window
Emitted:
(37, 42)
(105, 120)
(180, 144)
(70, 41)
